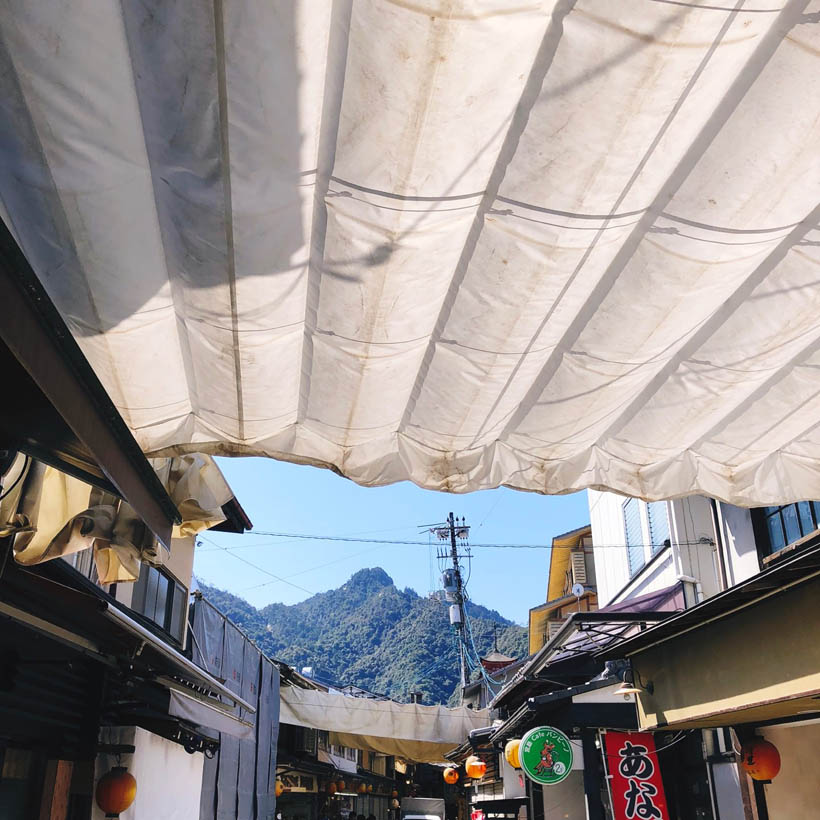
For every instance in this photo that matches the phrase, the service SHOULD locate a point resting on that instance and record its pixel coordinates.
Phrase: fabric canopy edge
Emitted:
(677, 476)
(412, 750)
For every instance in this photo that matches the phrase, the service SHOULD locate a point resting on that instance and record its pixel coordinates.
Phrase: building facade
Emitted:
(735, 664)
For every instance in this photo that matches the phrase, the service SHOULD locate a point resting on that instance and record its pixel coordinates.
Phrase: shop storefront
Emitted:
(743, 666)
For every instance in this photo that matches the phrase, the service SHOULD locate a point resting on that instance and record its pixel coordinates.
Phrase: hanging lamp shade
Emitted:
(450, 775)
(760, 759)
(394, 794)
(340, 785)
(475, 767)
(116, 791)
(511, 753)
(395, 803)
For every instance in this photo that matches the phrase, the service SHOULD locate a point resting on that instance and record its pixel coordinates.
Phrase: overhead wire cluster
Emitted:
(464, 638)
(401, 543)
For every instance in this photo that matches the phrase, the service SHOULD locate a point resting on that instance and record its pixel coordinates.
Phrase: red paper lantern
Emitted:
(331, 788)
(760, 759)
(450, 775)
(394, 794)
(475, 767)
(116, 791)
(370, 788)
(340, 785)
(362, 788)
(279, 788)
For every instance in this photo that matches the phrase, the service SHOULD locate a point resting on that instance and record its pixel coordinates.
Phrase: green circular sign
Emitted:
(546, 755)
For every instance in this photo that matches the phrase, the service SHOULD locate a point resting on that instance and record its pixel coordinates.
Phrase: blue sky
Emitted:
(284, 497)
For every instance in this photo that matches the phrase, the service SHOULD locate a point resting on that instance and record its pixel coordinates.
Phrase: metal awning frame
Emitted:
(585, 715)
(789, 572)
(37, 336)
(187, 666)
(573, 640)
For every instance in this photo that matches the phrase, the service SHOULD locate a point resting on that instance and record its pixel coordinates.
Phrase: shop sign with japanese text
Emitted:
(635, 776)
(546, 755)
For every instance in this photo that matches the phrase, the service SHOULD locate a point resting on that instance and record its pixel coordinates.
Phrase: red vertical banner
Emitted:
(634, 776)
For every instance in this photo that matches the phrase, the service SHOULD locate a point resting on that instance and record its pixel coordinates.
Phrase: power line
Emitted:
(396, 542)
(348, 535)
(310, 569)
(492, 509)
(257, 567)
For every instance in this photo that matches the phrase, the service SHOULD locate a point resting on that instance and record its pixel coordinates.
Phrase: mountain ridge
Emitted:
(371, 634)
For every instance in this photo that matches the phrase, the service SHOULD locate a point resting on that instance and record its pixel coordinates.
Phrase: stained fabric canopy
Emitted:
(419, 733)
(463, 242)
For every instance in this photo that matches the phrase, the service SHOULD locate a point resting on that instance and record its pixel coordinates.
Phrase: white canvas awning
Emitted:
(549, 244)
(409, 730)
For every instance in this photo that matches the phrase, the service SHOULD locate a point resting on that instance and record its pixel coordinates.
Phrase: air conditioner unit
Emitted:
(579, 567)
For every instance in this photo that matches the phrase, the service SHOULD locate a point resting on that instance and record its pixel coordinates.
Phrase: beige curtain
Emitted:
(197, 487)
(59, 515)
(56, 515)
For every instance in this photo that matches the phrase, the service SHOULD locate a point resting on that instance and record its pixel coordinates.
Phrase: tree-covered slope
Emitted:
(371, 634)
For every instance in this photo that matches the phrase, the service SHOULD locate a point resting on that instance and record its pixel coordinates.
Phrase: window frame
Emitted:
(656, 546)
(175, 607)
(762, 518)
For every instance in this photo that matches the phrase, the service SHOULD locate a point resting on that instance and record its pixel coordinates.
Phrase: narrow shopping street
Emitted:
(409, 410)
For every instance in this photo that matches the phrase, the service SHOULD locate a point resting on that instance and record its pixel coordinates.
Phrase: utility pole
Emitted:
(459, 600)
(453, 584)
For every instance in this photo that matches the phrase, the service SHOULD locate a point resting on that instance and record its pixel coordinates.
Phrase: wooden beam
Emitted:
(56, 790)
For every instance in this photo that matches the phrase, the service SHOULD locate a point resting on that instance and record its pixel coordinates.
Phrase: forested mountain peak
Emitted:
(369, 633)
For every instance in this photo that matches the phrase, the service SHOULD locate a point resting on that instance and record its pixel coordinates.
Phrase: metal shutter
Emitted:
(579, 568)
(634, 538)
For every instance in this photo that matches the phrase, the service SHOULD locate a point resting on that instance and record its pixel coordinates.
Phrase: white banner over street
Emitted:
(409, 730)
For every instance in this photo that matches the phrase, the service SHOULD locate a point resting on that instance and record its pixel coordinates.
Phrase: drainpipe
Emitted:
(721, 556)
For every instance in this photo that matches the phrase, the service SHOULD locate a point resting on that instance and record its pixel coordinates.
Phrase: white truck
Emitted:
(422, 808)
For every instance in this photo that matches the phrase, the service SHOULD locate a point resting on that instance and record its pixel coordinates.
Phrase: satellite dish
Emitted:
(577, 590)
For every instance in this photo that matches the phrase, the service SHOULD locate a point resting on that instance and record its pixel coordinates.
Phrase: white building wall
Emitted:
(693, 534)
(738, 543)
(565, 800)
(692, 557)
(169, 780)
(611, 567)
(795, 792)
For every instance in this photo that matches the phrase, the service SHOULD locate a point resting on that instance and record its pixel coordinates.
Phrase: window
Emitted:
(780, 526)
(657, 516)
(306, 740)
(634, 536)
(162, 599)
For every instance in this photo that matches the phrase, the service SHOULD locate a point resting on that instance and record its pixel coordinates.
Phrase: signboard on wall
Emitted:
(546, 755)
(635, 781)
(296, 782)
